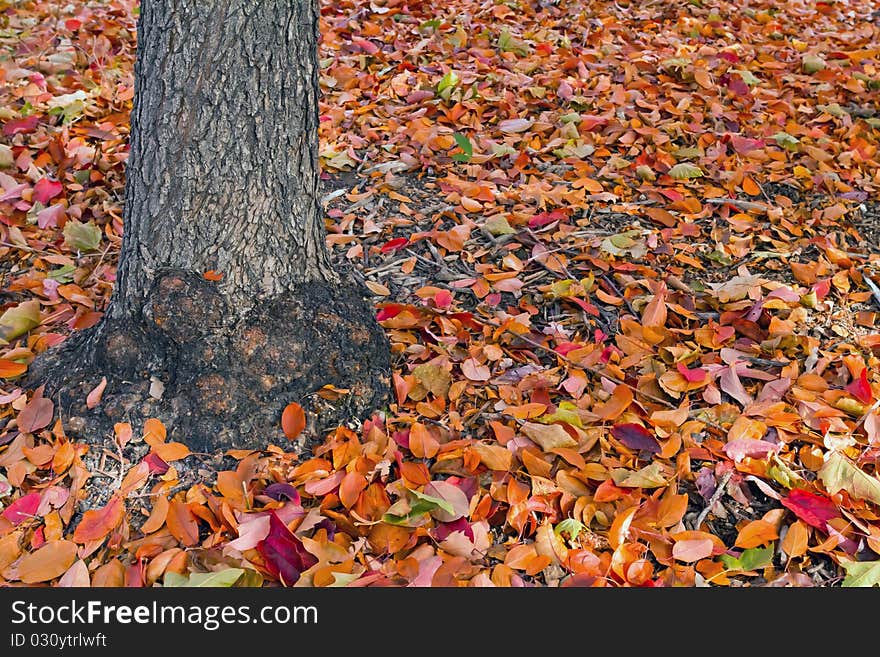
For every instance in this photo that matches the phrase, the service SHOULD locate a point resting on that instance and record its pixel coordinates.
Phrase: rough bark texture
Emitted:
(223, 176)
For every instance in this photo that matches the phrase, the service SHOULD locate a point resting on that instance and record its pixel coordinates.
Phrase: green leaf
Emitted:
(674, 63)
(433, 24)
(343, 579)
(18, 320)
(465, 145)
(786, 140)
(429, 503)
(566, 412)
(220, 579)
(447, 83)
(812, 63)
(834, 109)
(498, 225)
(64, 274)
(685, 170)
(688, 152)
(748, 77)
(571, 527)
(861, 573)
(82, 237)
(839, 473)
(751, 559)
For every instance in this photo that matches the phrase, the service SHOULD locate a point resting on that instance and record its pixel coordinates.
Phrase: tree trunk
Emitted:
(222, 179)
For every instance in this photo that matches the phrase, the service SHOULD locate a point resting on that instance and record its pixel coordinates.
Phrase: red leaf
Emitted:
(635, 436)
(45, 190)
(822, 288)
(21, 126)
(388, 311)
(587, 307)
(546, 218)
(692, 376)
(97, 523)
(394, 245)
(860, 388)
(24, 508)
(156, 464)
(815, 510)
(284, 555)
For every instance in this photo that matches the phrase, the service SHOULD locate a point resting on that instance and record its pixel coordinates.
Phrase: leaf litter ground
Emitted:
(624, 252)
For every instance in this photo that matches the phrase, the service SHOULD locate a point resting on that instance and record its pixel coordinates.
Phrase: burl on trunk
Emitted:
(223, 177)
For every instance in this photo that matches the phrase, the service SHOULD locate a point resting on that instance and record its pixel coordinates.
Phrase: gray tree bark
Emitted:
(223, 169)
(223, 176)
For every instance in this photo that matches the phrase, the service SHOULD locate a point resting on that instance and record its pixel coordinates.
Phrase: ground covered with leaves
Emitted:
(624, 254)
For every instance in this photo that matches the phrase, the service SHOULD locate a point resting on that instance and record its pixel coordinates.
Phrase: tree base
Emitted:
(219, 384)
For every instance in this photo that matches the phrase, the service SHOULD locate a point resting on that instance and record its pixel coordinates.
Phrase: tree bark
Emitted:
(222, 177)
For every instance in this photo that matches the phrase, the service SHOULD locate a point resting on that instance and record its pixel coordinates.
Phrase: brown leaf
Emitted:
(293, 420)
(48, 562)
(548, 436)
(37, 414)
(494, 457)
(182, 523)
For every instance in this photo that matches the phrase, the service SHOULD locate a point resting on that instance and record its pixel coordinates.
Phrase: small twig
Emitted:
(719, 491)
(875, 291)
(737, 203)
(616, 290)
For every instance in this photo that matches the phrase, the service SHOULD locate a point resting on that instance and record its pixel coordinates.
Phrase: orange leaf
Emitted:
(388, 539)
(755, 533)
(231, 486)
(351, 487)
(293, 420)
(154, 431)
(96, 524)
(796, 539)
(703, 78)
(415, 473)
(182, 523)
(157, 516)
(619, 401)
(171, 451)
(671, 509)
(10, 368)
(50, 561)
(750, 187)
(619, 530)
(421, 443)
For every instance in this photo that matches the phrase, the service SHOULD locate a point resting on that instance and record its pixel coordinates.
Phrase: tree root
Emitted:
(219, 384)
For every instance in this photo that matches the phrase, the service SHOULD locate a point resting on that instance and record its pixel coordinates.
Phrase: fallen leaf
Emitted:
(48, 562)
(293, 420)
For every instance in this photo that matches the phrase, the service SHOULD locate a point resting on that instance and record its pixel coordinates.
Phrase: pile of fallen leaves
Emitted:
(624, 254)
